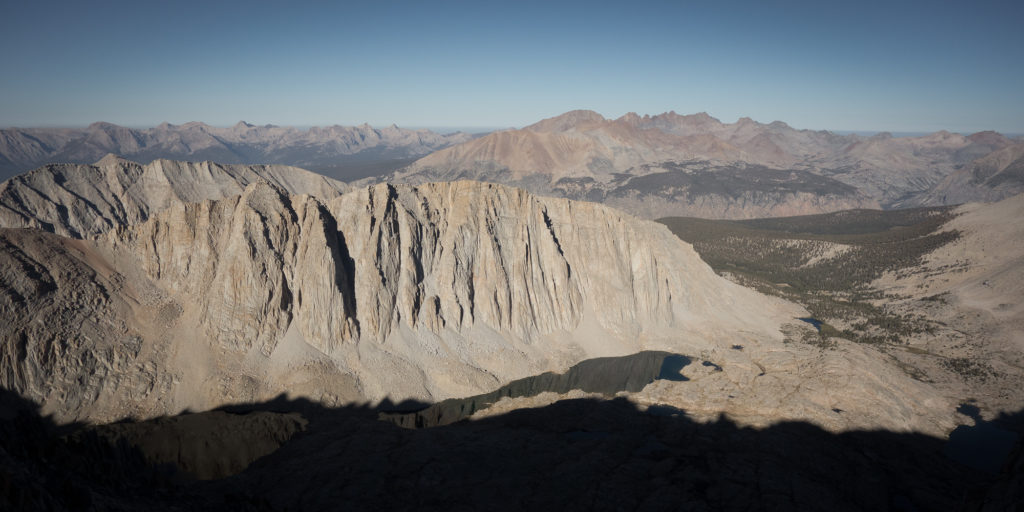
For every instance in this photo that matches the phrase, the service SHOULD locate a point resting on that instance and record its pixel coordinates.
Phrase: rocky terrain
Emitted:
(993, 177)
(294, 313)
(695, 165)
(935, 290)
(972, 290)
(404, 292)
(344, 152)
(400, 292)
(85, 200)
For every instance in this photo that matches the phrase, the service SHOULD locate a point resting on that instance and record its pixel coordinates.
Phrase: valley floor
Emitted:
(936, 291)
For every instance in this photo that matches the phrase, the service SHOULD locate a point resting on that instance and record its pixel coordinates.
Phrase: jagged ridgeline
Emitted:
(343, 152)
(426, 292)
(85, 200)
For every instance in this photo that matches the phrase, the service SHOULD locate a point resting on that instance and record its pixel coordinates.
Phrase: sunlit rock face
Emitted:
(85, 200)
(406, 292)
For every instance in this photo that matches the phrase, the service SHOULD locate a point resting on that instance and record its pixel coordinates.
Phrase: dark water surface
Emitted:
(605, 375)
(813, 321)
(983, 446)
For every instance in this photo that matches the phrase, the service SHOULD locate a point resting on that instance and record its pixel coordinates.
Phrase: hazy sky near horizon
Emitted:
(899, 66)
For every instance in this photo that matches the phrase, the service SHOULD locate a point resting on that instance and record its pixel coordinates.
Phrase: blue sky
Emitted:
(900, 66)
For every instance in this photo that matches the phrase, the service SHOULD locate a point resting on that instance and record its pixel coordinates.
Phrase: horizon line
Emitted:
(474, 129)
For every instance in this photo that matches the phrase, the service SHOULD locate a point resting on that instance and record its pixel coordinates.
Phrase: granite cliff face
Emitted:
(430, 291)
(695, 165)
(85, 200)
(425, 292)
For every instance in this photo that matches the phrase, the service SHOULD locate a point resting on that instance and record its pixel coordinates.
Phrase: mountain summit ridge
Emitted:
(672, 165)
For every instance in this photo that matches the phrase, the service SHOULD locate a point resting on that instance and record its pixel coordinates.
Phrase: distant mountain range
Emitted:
(695, 165)
(342, 152)
(651, 166)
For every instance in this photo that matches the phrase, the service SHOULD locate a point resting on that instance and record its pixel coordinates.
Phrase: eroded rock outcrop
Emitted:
(84, 200)
(77, 336)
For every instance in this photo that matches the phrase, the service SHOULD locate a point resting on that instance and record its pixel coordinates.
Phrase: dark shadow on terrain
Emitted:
(45, 466)
(986, 444)
(604, 375)
(572, 455)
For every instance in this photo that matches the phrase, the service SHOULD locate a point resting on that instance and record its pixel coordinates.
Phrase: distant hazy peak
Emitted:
(242, 143)
(673, 122)
(631, 118)
(101, 125)
(671, 114)
(193, 125)
(111, 159)
(989, 137)
(567, 121)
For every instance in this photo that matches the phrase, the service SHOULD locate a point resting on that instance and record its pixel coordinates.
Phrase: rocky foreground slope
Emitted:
(973, 289)
(695, 165)
(423, 292)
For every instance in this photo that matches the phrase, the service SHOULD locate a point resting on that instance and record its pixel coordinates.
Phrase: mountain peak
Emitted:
(698, 119)
(631, 118)
(110, 159)
(195, 124)
(989, 137)
(101, 126)
(567, 121)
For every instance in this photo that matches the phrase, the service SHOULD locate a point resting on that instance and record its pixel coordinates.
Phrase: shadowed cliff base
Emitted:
(572, 455)
(604, 375)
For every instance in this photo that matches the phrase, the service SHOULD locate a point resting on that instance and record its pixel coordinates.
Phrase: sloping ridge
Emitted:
(994, 177)
(85, 200)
